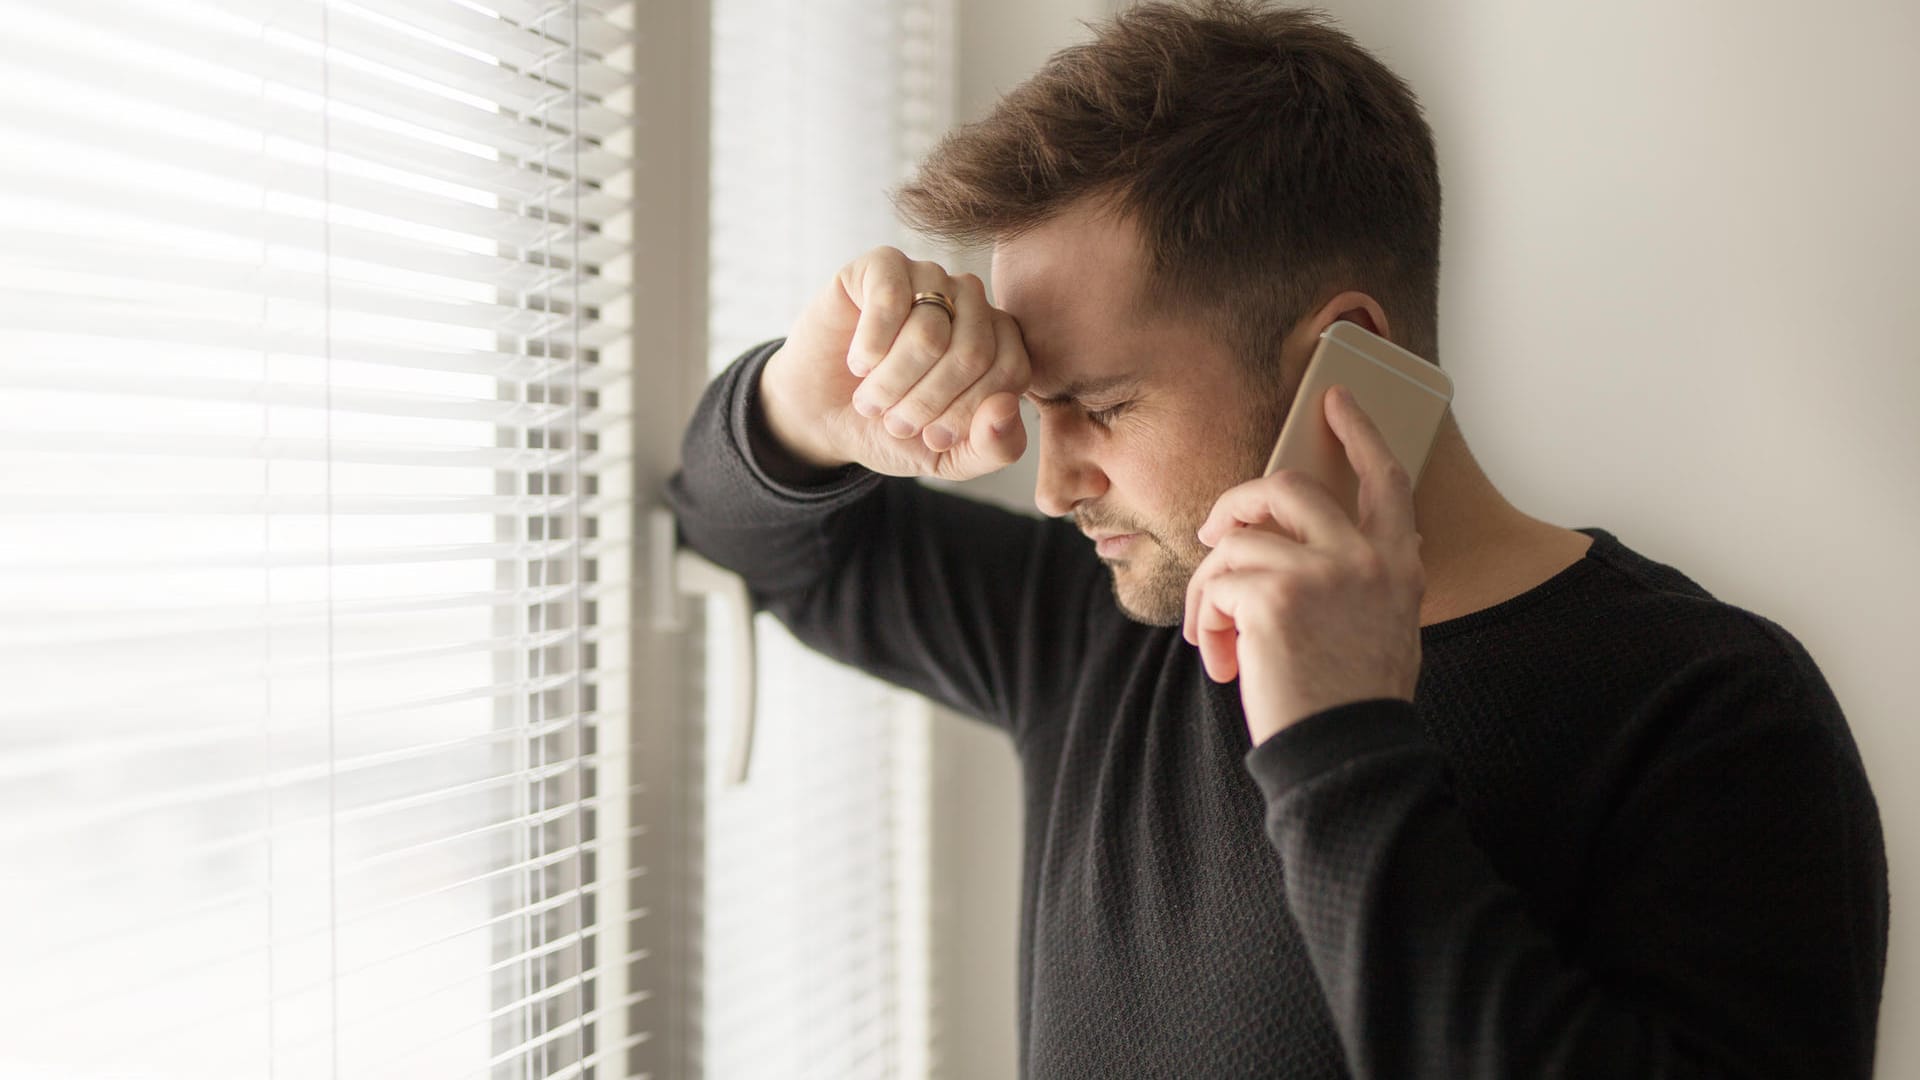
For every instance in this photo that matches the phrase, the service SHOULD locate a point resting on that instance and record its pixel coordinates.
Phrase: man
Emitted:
(1444, 791)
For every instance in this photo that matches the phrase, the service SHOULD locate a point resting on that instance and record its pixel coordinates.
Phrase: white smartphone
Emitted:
(1405, 396)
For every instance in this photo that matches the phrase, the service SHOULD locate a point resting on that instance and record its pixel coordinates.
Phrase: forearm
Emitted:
(1433, 965)
(922, 588)
(741, 500)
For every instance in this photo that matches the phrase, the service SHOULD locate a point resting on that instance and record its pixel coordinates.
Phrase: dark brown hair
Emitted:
(1266, 158)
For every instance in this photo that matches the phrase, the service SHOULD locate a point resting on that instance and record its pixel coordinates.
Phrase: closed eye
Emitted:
(1102, 416)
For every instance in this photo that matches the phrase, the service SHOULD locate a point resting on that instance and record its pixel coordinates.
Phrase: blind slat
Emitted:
(166, 659)
(485, 692)
(138, 622)
(153, 325)
(150, 155)
(443, 24)
(134, 562)
(155, 267)
(175, 222)
(20, 831)
(107, 200)
(567, 23)
(36, 373)
(225, 847)
(228, 900)
(219, 504)
(231, 280)
(70, 314)
(145, 444)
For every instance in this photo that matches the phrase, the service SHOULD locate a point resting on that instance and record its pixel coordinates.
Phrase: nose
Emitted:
(1067, 477)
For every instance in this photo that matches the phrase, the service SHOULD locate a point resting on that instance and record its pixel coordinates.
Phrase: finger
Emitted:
(1010, 372)
(1220, 653)
(971, 353)
(923, 334)
(1291, 498)
(1229, 604)
(995, 440)
(1217, 642)
(1386, 489)
(1196, 589)
(881, 287)
(1239, 551)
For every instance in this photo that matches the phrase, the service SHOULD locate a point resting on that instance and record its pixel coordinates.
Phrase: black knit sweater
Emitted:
(1622, 831)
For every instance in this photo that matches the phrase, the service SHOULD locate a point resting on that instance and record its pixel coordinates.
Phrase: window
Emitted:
(815, 902)
(315, 542)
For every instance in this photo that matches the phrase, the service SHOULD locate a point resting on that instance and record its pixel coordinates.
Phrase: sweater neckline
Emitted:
(1603, 544)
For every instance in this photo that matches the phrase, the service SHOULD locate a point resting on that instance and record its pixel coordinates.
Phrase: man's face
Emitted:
(1142, 423)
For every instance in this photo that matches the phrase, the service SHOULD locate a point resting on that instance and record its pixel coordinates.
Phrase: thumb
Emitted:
(996, 438)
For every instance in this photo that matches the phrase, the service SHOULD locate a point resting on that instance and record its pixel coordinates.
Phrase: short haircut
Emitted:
(1267, 160)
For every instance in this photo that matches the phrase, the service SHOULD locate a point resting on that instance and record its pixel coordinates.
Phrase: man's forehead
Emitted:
(1081, 368)
(1071, 283)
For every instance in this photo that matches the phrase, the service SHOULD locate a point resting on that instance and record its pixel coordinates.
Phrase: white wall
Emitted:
(1678, 302)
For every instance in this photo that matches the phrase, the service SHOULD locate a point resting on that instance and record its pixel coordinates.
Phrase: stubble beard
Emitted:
(1151, 588)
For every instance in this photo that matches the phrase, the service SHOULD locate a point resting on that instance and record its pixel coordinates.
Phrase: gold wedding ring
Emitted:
(940, 300)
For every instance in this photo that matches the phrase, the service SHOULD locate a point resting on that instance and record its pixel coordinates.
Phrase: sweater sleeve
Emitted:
(1736, 914)
(972, 605)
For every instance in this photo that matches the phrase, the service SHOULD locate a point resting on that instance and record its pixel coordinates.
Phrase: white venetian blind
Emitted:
(313, 394)
(815, 951)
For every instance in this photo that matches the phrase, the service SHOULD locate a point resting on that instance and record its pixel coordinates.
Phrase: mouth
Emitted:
(1111, 545)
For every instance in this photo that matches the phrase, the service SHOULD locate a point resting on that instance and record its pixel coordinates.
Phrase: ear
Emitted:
(1353, 306)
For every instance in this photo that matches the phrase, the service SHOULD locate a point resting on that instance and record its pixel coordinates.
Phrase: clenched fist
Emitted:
(865, 376)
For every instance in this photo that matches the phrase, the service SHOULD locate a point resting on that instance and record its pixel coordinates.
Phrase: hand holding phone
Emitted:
(1405, 396)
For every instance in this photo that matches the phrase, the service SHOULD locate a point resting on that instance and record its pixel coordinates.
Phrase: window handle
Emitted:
(679, 572)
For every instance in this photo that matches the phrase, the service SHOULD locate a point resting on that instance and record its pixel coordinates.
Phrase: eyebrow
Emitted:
(1082, 388)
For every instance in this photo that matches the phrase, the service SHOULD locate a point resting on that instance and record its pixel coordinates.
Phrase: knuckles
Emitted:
(1281, 594)
(972, 361)
(927, 342)
(890, 298)
(996, 364)
(885, 259)
(1309, 580)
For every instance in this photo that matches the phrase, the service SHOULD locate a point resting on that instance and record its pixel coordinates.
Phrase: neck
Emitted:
(1477, 548)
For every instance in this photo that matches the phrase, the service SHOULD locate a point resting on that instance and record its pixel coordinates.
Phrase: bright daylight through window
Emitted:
(313, 565)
